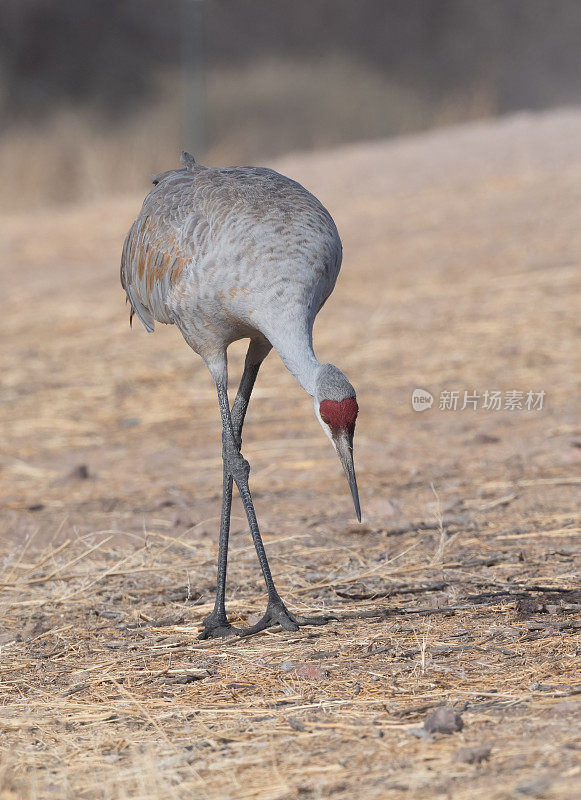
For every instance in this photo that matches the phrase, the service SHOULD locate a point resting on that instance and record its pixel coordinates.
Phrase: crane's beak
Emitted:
(343, 441)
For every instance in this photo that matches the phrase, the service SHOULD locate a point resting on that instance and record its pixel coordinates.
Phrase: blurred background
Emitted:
(96, 95)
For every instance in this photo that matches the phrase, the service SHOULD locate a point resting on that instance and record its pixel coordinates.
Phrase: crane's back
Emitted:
(223, 252)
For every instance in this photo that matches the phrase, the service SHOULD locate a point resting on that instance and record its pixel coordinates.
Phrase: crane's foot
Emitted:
(216, 626)
(278, 614)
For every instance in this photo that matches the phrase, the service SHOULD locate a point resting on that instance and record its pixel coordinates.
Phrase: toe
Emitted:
(319, 620)
(217, 632)
(277, 613)
(260, 626)
(285, 621)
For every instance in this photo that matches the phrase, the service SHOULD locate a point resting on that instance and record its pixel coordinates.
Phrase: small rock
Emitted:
(443, 720)
(527, 606)
(474, 755)
(535, 788)
(79, 473)
(419, 733)
(106, 614)
(296, 724)
(309, 672)
(485, 438)
(168, 621)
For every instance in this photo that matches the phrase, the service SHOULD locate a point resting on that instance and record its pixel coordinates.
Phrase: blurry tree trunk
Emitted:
(194, 94)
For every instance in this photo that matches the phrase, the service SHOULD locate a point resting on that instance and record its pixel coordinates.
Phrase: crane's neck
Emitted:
(296, 351)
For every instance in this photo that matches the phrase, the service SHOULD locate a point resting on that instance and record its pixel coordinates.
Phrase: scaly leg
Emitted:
(276, 611)
(216, 624)
(236, 466)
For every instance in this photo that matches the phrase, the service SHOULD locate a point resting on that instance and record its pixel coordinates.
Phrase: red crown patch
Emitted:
(339, 414)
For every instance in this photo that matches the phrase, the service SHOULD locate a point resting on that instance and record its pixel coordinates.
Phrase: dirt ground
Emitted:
(460, 588)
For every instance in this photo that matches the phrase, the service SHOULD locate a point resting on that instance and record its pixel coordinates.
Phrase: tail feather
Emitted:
(144, 314)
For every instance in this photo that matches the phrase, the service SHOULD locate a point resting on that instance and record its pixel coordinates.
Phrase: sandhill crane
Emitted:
(234, 253)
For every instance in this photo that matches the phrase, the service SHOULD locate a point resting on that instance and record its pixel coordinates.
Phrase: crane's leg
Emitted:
(216, 624)
(238, 469)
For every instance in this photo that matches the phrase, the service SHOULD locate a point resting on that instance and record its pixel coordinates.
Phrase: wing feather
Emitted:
(153, 257)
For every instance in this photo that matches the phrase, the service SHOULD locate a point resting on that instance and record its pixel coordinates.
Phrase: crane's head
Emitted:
(336, 409)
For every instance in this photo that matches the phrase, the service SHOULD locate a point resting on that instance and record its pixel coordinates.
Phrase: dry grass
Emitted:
(266, 107)
(462, 255)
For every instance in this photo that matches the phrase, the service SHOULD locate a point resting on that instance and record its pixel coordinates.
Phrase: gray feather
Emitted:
(229, 253)
(188, 161)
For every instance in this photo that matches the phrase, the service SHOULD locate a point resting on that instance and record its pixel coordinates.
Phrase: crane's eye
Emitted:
(325, 419)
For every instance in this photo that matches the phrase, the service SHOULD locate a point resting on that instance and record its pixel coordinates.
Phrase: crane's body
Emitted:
(233, 253)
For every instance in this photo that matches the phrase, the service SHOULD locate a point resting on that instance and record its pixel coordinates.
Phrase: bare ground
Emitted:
(461, 272)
